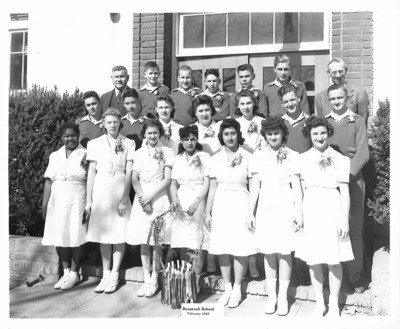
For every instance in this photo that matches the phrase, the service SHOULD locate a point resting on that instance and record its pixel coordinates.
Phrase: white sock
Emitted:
(319, 298)
(106, 274)
(271, 287)
(114, 275)
(237, 288)
(66, 271)
(283, 287)
(228, 288)
(146, 276)
(333, 302)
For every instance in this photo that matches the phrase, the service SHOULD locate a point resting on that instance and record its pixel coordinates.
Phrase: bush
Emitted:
(378, 198)
(34, 119)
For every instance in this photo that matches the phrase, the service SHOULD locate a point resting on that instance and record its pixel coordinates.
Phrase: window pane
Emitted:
(311, 27)
(261, 28)
(16, 41)
(311, 104)
(216, 30)
(228, 80)
(193, 31)
(286, 28)
(238, 29)
(307, 76)
(15, 71)
(268, 75)
(25, 71)
(197, 78)
(26, 41)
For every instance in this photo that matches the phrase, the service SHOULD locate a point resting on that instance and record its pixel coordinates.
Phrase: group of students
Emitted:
(232, 175)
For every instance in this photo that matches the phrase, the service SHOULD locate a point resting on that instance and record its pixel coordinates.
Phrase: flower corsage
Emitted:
(326, 161)
(168, 132)
(351, 118)
(209, 132)
(252, 128)
(237, 160)
(158, 155)
(196, 162)
(118, 146)
(282, 154)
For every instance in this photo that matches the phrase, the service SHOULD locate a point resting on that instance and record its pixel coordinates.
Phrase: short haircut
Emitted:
(151, 65)
(130, 93)
(230, 123)
(313, 122)
(286, 89)
(201, 100)
(90, 94)
(113, 111)
(184, 68)
(184, 133)
(281, 58)
(337, 87)
(245, 93)
(68, 125)
(245, 67)
(337, 60)
(119, 68)
(148, 123)
(274, 122)
(211, 71)
(168, 99)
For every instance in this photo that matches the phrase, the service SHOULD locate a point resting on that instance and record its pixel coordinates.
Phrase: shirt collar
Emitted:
(129, 118)
(337, 117)
(293, 122)
(123, 90)
(91, 119)
(149, 87)
(277, 83)
(170, 123)
(186, 91)
(208, 93)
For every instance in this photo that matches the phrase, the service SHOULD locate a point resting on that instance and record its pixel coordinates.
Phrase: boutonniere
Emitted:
(351, 118)
(196, 162)
(252, 128)
(158, 155)
(218, 98)
(84, 163)
(326, 161)
(282, 154)
(101, 125)
(168, 132)
(209, 132)
(256, 94)
(237, 160)
(118, 146)
(192, 93)
(155, 92)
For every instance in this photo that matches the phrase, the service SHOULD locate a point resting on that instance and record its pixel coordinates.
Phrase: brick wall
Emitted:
(152, 41)
(352, 40)
(28, 259)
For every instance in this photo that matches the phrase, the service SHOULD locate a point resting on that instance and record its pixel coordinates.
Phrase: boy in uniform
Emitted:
(283, 78)
(151, 89)
(131, 123)
(246, 76)
(184, 95)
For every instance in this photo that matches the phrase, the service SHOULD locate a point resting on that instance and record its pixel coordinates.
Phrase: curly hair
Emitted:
(230, 123)
(314, 122)
(288, 89)
(201, 100)
(184, 133)
(167, 99)
(274, 122)
(68, 125)
(245, 93)
(113, 111)
(151, 123)
(91, 93)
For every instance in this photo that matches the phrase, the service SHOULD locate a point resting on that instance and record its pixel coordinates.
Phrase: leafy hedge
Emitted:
(34, 119)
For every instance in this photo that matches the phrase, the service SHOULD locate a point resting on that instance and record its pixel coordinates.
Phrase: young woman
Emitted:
(108, 202)
(228, 209)
(276, 186)
(325, 177)
(151, 177)
(64, 200)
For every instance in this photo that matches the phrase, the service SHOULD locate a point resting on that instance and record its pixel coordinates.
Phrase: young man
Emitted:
(90, 126)
(282, 71)
(246, 76)
(357, 100)
(151, 89)
(350, 139)
(113, 98)
(221, 99)
(131, 124)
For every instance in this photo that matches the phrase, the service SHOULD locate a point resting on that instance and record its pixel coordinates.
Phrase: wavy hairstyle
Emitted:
(313, 122)
(151, 123)
(201, 100)
(113, 111)
(230, 123)
(68, 125)
(245, 93)
(274, 122)
(184, 133)
(168, 99)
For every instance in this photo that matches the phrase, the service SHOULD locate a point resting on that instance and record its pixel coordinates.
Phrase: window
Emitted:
(230, 33)
(18, 54)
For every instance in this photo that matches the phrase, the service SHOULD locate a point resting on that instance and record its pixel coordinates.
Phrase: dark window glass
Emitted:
(197, 78)
(216, 30)
(16, 71)
(26, 41)
(17, 41)
(238, 29)
(229, 80)
(193, 31)
(311, 104)
(311, 27)
(307, 76)
(25, 71)
(286, 28)
(268, 75)
(262, 28)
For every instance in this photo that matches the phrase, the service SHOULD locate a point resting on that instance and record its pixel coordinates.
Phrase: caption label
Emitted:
(203, 309)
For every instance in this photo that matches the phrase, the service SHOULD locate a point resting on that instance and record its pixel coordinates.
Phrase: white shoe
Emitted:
(234, 300)
(319, 311)
(142, 290)
(111, 286)
(60, 282)
(223, 300)
(151, 290)
(71, 281)
(283, 308)
(333, 312)
(270, 306)
(102, 285)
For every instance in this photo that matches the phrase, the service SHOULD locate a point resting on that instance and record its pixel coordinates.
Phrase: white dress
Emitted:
(105, 225)
(275, 209)
(252, 136)
(190, 232)
(171, 138)
(208, 137)
(322, 207)
(151, 173)
(67, 201)
(231, 208)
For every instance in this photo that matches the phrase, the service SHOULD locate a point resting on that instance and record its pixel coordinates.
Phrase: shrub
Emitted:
(378, 198)
(34, 118)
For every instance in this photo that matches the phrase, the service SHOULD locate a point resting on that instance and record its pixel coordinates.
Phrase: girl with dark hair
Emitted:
(64, 199)
(151, 177)
(326, 203)
(276, 187)
(228, 209)
(189, 186)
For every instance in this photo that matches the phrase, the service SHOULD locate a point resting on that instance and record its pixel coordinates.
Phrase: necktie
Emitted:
(119, 96)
